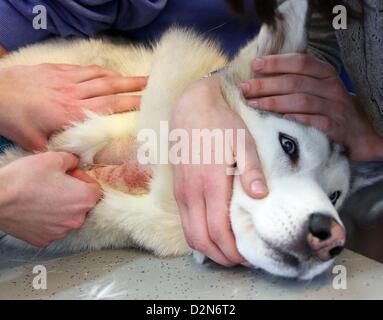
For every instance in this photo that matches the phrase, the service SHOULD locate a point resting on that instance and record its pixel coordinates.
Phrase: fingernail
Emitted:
(258, 187)
(257, 64)
(245, 87)
(254, 103)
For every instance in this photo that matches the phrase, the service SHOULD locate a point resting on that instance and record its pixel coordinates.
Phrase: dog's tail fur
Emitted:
(283, 31)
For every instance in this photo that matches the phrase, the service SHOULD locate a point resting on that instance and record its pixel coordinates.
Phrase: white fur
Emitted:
(152, 221)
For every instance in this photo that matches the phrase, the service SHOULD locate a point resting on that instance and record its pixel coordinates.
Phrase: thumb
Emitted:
(69, 161)
(249, 166)
(92, 184)
(81, 175)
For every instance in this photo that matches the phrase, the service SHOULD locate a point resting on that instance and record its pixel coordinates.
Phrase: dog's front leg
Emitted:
(86, 139)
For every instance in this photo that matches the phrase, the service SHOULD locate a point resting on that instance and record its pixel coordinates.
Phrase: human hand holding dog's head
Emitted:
(203, 192)
(310, 91)
(36, 101)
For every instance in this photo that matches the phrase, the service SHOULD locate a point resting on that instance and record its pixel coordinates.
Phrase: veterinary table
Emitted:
(127, 274)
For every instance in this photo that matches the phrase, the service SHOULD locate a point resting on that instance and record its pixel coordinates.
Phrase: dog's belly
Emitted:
(116, 166)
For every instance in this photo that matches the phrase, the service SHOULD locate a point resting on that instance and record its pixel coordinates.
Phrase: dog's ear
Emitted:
(266, 10)
(236, 6)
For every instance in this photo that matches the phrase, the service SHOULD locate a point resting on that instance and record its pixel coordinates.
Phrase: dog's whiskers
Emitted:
(215, 28)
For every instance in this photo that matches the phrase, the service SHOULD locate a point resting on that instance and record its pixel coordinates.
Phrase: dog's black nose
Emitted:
(326, 237)
(320, 226)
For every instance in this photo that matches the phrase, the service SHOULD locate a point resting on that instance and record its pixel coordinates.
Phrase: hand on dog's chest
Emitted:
(116, 166)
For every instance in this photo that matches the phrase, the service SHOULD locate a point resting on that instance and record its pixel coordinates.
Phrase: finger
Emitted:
(292, 103)
(61, 235)
(249, 166)
(320, 122)
(179, 195)
(85, 194)
(68, 160)
(193, 214)
(66, 67)
(94, 194)
(111, 104)
(199, 235)
(284, 85)
(182, 207)
(217, 198)
(86, 73)
(247, 264)
(110, 85)
(38, 242)
(294, 63)
(81, 175)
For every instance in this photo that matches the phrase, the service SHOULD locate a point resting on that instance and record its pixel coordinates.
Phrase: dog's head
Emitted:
(295, 231)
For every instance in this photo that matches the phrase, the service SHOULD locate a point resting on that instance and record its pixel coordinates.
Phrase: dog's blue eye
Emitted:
(289, 146)
(335, 196)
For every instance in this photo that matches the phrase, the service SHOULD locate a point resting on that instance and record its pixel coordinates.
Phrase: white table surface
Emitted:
(129, 274)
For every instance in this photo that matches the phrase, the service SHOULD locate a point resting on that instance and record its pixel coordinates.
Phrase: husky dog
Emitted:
(294, 232)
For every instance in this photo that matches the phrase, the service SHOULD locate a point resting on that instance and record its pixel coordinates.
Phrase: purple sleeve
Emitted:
(72, 18)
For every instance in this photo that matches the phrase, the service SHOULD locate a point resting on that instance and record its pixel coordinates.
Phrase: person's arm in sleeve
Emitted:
(68, 18)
